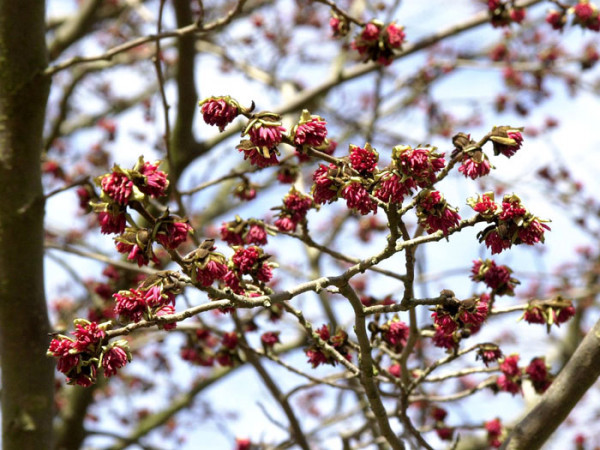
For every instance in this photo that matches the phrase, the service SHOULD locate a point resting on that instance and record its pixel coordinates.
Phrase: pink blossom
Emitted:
(472, 168)
(397, 334)
(130, 304)
(286, 224)
(213, 270)
(117, 186)
(115, 358)
(316, 357)
(534, 315)
(395, 370)
(61, 348)
(556, 19)
(439, 414)
(507, 384)
(395, 35)
(512, 209)
(257, 158)
(297, 205)
(265, 134)
(496, 243)
(563, 314)
(219, 111)
(370, 32)
(245, 259)
(363, 160)
(533, 232)
(510, 366)
(88, 336)
(230, 340)
(517, 15)
(270, 338)
(358, 198)
(155, 181)
(391, 189)
(172, 235)
(485, 205)
(112, 222)
(311, 133)
(166, 310)
(324, 189)
(488, 355)
(256, 234)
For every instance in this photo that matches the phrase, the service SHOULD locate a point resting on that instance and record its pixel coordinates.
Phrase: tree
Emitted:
(364, 215)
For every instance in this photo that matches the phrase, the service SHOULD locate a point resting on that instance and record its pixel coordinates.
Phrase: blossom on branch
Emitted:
(219, 111)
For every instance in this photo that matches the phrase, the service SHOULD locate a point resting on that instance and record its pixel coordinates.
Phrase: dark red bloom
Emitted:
(113, 359)
(556, 19)
(172, 235)
(155, 182)
(88, 336)
(270, 338)
(266, 134)
(358, 198)
(212, 271)
(395, 35)
(363, 160)
(396, 334)
(439, 414)
(219, 111)
(311, 131)
(112, 222)
(325, 190)
(474, 166)
(117, 186)
(130, 304)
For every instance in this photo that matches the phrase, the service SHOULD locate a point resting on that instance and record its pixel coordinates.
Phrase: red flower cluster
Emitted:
(172, 234)
(494, 276)
(506, 140)
(326, 187)
(556, 19)
(513, 223)
(379, 43)
(219, 111)
(540, 378)
(358, 198)
(311, 131)
(242, 232)
(137, 245)
(363, 160)
(435, 214)
(510, 379)
(411, 168)
(395, 334)
(198, 349)
(556, 312)
(142, 303)
(252, 261)
(451, 318)
(294, 210)
(258, 156)
(586, 15)
(494, 432)
(475, 164)
(80, 358)
(317, 355)
(489, 353)
(117, 186)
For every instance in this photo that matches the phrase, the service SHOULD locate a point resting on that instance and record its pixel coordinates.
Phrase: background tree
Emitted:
(124, 78)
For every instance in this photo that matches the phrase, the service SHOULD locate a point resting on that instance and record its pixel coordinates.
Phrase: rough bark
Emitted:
(27, 374)
(573, 381)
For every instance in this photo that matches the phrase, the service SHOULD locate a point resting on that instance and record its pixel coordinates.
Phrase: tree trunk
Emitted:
(27, 374)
